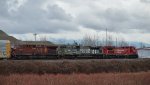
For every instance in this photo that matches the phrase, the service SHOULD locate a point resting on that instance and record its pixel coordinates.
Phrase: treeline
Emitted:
(96, 40)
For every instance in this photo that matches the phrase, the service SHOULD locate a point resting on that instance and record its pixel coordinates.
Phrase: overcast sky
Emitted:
(72, 19)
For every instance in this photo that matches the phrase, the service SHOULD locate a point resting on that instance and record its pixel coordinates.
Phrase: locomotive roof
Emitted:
(119, 47)
(48, 43)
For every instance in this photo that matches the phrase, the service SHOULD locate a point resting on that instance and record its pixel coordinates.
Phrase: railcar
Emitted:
(5, 49)
(91, 52)
(68, 51)
(75, 51)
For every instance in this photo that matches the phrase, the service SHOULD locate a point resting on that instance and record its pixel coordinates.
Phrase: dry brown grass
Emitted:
(142, 78)
(67, 67)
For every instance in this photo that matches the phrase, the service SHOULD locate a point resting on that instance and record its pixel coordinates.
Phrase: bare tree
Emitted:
(90, 40)
(43, 38)
(110, 41)
(97, 41)
(122, 42)
(101, 41)
(86, 41)
(142, 45)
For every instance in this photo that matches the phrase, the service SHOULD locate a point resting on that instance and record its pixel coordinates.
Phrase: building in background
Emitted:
(144, 52)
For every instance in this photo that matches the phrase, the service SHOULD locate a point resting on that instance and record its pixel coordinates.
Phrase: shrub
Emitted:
(72, 66)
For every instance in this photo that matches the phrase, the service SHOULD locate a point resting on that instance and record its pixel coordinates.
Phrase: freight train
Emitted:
(28, 51)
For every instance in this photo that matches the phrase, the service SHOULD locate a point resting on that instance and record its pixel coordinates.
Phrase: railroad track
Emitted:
(78, 60)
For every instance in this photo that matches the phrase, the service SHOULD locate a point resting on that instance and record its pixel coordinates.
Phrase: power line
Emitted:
(106, 36)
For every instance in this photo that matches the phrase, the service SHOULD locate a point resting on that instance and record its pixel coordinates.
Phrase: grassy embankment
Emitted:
(91, 72)
(142, 78)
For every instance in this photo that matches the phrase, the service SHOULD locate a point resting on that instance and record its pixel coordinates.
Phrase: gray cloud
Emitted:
(116, 20)
(29, 16)
(145, 1)
(111, 19)
(3, 8)
(58, 14)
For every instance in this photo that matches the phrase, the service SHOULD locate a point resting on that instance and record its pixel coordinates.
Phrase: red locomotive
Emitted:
(34, 51)
(120, 52)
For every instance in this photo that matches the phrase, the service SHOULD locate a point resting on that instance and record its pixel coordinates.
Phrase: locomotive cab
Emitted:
(120, 52)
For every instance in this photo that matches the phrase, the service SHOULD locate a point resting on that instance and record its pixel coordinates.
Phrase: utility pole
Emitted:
(106, 36)
(35, 34)
(116, 41)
